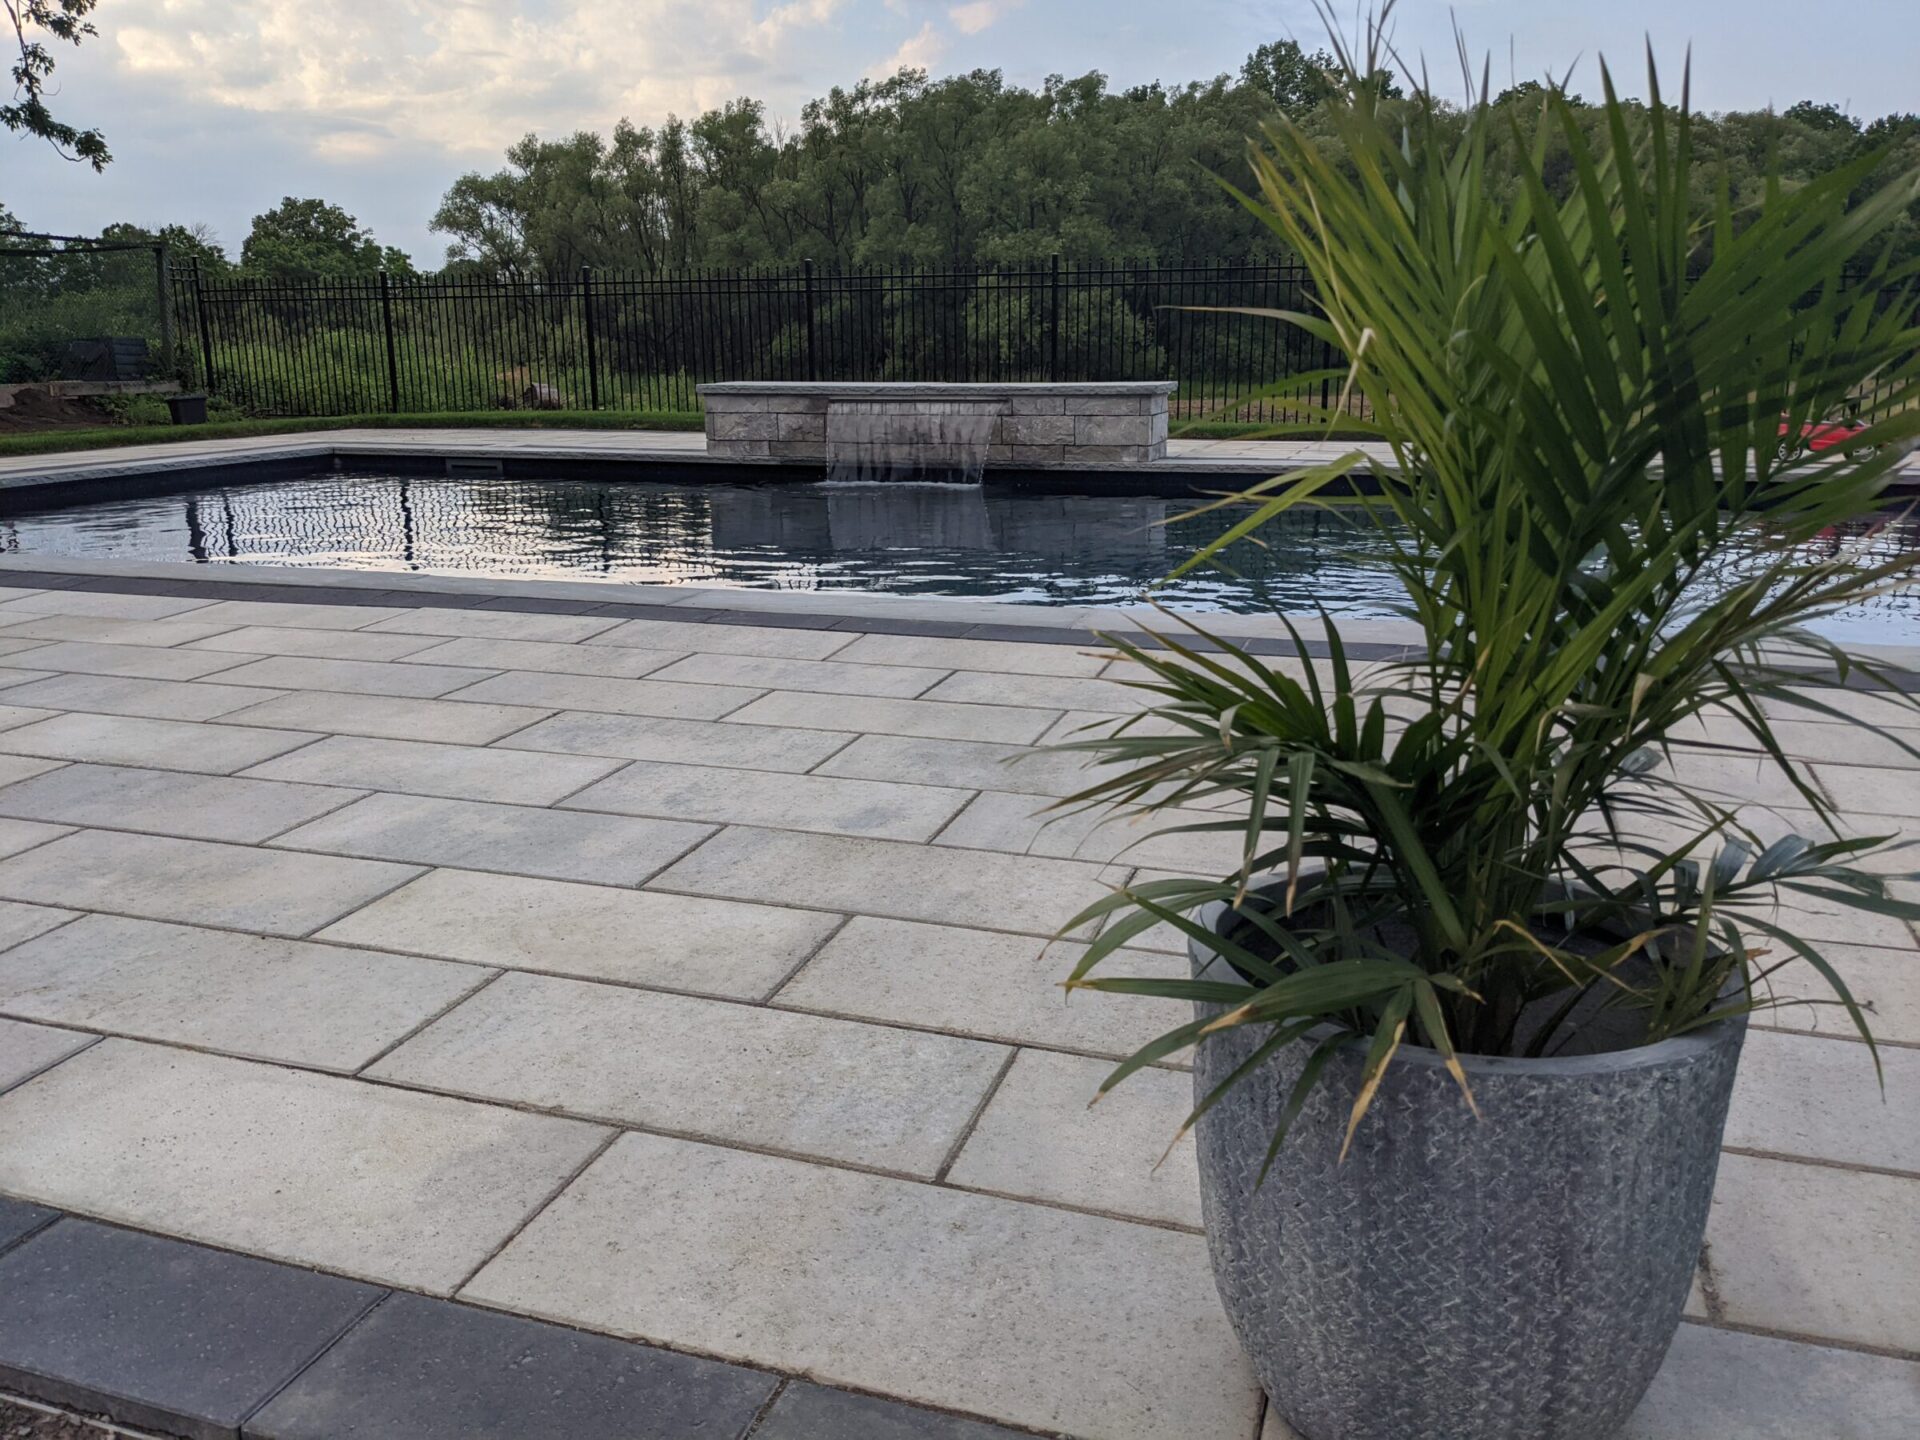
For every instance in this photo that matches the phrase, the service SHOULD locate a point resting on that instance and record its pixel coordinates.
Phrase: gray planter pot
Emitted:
(1516, 1277)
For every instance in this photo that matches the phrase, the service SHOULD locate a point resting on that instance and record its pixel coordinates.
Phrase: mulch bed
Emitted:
(34, 409)
(19, 1423)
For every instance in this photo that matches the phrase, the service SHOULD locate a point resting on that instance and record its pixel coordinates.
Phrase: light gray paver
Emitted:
(711, 639)
(671, 941)
(235, 886)
(884, 877)
(1040, 1138)
(315, 1005)
(599, 692)
(20, 835)
(1052, 692)
(388, 1185)
(154, 699)
(865, 1094)
(419, 767)
(15, 647)
(20, 767)
(680, 742)
(929, 719)
(108, 631)
(1860, 792)
(10, 677)
(1058, 1304)
(100, 602)
(495, 624)
(26, 1050)
(22, 922)
(1807, 1095)
(280, 614)
(169, 802)
(14, 716)
(316, 644)
(966, 764)
(390, 717)
(1021, 825)
(1816, 1251)
(1885, 982)
(832, 677)
(1723, 1385)
(144, 662)
(983, 983)
(354, 677)
(618, 661)
(159, 744)
(518, 839)
(1006, 657)
(789, 802)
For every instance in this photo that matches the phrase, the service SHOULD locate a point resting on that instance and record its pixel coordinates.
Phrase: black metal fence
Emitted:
(621, 341)
(67, 300)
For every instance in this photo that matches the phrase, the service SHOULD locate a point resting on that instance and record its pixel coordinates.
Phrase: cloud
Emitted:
(918, 52)
(976, 15)
(466, 76)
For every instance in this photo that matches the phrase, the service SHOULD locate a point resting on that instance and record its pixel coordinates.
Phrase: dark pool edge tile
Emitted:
(763, 1402)
(21, 1220)
(153, 1324)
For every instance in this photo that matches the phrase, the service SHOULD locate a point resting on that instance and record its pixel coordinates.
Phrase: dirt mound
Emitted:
(34, 409)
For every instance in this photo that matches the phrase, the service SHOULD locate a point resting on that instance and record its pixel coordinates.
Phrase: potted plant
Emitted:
(1467, 1015)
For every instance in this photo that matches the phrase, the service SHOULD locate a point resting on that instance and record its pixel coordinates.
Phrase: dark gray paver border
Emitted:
(429, 1369)
(214, 588)
(177, 1338)
(341, 1366)
(19, 1219)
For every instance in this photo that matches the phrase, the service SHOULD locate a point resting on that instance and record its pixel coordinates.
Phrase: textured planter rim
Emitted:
(1605, 1062)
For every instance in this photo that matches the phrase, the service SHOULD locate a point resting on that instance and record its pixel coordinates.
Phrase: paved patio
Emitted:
(680, 979)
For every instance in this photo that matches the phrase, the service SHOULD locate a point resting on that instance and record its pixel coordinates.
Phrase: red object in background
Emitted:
(1819, 435)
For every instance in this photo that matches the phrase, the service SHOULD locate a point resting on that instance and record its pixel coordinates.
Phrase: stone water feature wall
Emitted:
(889, 431)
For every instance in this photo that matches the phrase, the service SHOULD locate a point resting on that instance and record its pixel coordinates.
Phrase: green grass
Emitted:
(46, 442)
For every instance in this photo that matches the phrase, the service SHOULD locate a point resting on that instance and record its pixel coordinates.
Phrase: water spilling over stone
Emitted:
(906, 440)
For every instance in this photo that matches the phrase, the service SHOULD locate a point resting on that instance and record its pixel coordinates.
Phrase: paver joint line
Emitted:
(837, 968)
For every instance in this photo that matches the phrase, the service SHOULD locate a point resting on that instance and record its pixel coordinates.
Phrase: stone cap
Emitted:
(930, 390)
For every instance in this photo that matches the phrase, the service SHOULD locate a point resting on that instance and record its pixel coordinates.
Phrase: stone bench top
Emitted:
(914, 390)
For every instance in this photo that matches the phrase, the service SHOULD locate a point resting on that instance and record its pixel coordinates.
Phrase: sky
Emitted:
(215, 109)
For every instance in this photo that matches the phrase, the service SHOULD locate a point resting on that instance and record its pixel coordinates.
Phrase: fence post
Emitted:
(206, 332)
(386, 322)
(163, 293)
(593, 364)
(813, 369)
(1053, 323)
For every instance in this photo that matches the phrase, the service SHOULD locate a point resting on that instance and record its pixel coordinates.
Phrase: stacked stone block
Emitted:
(938, 427)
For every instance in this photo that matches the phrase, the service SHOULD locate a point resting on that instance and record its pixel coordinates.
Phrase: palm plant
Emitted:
(1582, 386)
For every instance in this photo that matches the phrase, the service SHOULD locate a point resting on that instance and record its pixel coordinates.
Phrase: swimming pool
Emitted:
(907, 539)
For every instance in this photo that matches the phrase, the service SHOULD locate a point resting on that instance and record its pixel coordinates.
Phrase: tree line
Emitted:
(911, 171)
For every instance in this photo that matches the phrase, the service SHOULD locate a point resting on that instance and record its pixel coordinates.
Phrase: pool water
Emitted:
(906, 539)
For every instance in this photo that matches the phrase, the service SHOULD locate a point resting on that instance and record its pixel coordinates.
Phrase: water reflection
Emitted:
(904, 538)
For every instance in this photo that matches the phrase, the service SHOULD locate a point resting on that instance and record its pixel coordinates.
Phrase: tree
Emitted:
(312, 240)
(1295, 80)
(1822, 117)
(28, 114)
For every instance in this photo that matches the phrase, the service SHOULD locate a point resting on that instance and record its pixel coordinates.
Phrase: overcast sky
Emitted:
(217, 108)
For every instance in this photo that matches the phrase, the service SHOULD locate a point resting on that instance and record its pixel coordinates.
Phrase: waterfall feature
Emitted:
(902, 440)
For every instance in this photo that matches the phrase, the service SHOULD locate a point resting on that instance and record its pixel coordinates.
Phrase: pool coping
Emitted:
(860, 612)
(1191, 464)
(863, 612)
